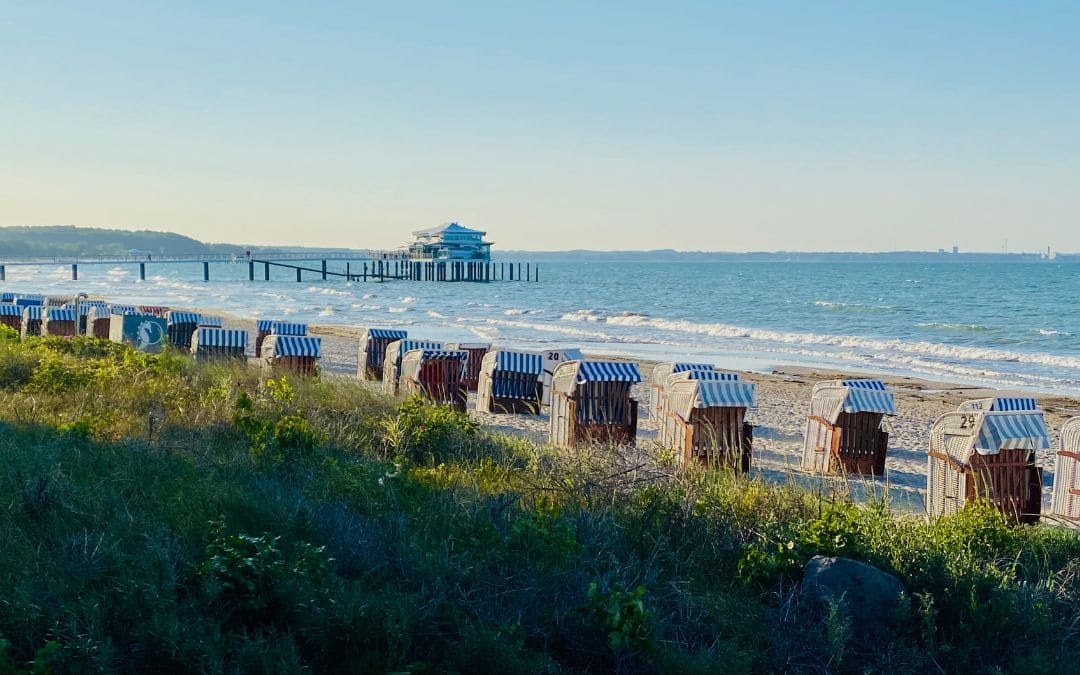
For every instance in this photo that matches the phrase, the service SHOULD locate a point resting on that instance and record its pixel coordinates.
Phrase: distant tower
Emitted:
(955, 250)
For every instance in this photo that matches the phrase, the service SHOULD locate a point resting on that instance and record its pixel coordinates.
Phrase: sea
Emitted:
(1012, 325)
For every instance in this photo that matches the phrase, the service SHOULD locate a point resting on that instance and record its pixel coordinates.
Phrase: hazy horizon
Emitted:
(700, 127)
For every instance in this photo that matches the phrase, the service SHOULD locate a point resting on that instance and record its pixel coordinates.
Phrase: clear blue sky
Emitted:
(720, 126)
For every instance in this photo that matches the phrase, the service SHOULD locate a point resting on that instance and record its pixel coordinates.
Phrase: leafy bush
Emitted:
(428, 434)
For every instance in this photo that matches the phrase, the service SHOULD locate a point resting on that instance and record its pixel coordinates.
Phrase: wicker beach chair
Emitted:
(181, 327)
(11, 316)
(31, 320)
(844, 429)
(294, 353)
(705, 421)
(1067, 472)
(212, 343)
(509, 382)
(591, 403)
(373, 344)
(657, 381)
(264, 327)
(986, 450)
(437, 375)
(392, 360)
(476, 352)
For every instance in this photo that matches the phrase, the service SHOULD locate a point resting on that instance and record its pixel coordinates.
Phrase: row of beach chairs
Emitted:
(986, 449)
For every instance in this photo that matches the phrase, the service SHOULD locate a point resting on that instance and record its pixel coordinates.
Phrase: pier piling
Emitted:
(324, 270)
(74, 272)
(142, 271)
(266, 271)
(251, 270)
(206, 271)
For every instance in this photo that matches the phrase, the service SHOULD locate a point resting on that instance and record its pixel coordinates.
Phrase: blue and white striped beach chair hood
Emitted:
(582, 372)
(10, 310)
(208, 336)
(173, 317)
(1012, 430)
(123, 309)
(294, 345)
(404, 346)
(211, 321)
(262, 325)
(384, 334)
(685, 396)
(518, 362)
(681, 367)
(32, 313)
(829, 399)
(288, 328)
(703, 375)
(59, 313)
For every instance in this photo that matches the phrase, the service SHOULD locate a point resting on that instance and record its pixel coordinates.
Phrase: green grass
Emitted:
(159, 515)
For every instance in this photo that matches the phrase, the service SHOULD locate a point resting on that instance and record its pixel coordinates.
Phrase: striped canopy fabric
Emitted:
(297, 345)
(718, 375)
(7, 297)
(10, 310)
(1003, 431)
(681, 367)
(287, 328)
(173, 318)
(122, 309)
(444, 354)
(32, 313)
(868, 396)
(1010, 404)
(519, 362)
(263, 324)
(212, 321)
(410, 345)
(607, 371)
(27, 302)
(220, 337)
(60, 314)
(32, 297)
(386, 334)
(687, 395)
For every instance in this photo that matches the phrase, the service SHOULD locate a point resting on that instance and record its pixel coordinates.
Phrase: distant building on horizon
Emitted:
(449, 241)
(955, 250)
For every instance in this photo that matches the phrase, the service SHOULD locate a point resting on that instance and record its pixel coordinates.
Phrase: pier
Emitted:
(378, 266)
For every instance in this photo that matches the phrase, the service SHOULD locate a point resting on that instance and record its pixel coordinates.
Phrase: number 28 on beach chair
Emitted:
(986, 450)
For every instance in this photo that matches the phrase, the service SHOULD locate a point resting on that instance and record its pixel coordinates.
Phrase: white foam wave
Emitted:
(398, 310)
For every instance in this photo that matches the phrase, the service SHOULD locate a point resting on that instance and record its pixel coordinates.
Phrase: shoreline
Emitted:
(783, 397)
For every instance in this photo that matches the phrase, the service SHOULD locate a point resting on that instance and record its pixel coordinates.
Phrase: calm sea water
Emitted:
(1004, 324)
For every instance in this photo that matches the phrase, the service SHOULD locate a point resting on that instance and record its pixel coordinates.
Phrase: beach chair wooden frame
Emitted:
(436, 375)
(1066, 501)
(180, 327)
(395, 351)
(99, 322)
(986, 453)
(845, 428)
(267, 327)
(509, 383)
(658, 382)
(370, 362)
(31, 320)
(591, 404)
(705, 421)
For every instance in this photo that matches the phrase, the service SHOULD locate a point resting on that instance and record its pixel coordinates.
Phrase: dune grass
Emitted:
(160, 515)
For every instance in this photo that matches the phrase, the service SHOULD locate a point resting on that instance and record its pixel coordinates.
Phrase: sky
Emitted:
(552, 125)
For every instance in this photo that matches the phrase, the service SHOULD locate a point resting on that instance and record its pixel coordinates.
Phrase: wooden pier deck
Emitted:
(358, 266)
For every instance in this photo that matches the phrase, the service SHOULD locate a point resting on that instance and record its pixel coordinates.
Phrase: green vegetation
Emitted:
(158, 515)
(67, 240)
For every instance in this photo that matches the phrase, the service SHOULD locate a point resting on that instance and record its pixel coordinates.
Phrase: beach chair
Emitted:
(181, 327)
(844, 431)
(211, 321)
(142, 332)
(591, 403)
(658, 380)
(294, 353)
(1067, 472)
(509, 382)
(392, 360)
(373, 344)
(212, 343)
(265, 327)
(85, 307)
(436, 375)
(476, 352)
(986, 450)
(98, 321)
(705, 421)
(31, 320)
(11, 316)
(552, 359)
(59, 321)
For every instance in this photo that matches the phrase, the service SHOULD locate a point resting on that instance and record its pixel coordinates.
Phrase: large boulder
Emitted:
(872, 598)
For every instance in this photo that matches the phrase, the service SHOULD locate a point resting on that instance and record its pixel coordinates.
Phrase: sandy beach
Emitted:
(779, 419)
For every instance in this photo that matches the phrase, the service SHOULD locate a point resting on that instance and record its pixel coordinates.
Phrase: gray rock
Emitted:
(872, 598)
